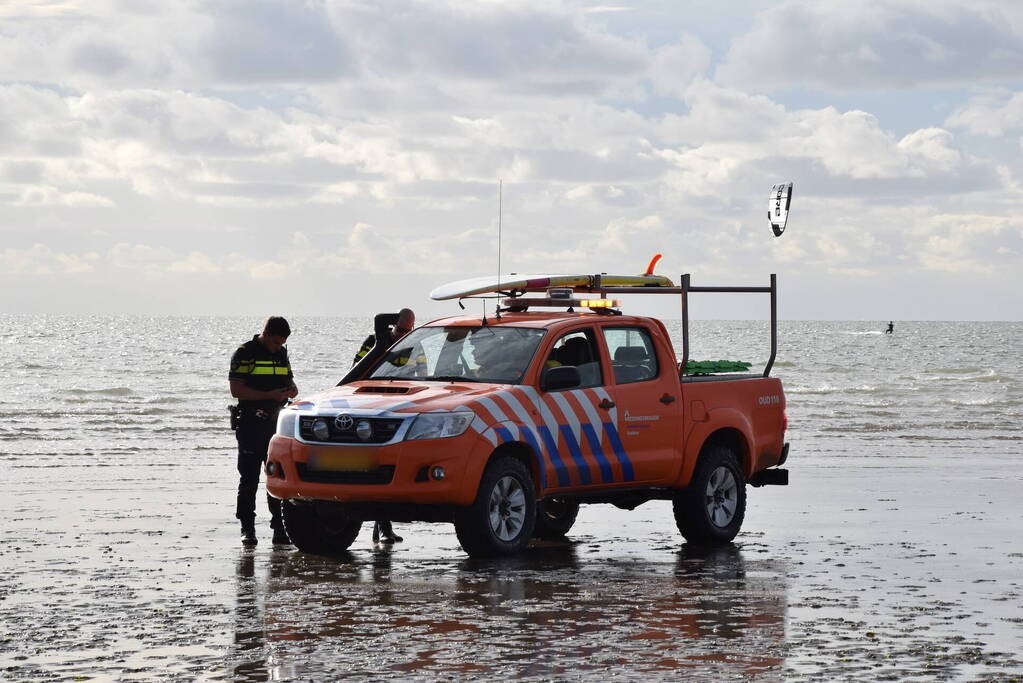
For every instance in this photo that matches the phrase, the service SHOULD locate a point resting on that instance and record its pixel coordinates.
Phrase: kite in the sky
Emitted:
(778, 207)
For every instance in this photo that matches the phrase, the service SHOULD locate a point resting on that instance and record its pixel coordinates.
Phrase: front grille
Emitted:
(383, 429)
(381, 475)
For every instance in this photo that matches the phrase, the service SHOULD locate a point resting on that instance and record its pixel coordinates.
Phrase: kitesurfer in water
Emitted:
(891, 327)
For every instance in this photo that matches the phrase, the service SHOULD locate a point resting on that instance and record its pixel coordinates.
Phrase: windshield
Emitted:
(473, 354)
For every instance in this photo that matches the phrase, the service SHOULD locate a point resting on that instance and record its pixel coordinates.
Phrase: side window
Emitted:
(578, 349)
(632, 354)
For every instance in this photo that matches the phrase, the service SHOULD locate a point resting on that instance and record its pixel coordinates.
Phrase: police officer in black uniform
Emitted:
(383, 532)
(262, 381)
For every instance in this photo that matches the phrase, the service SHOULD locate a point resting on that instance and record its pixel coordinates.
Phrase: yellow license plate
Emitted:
(334, 460)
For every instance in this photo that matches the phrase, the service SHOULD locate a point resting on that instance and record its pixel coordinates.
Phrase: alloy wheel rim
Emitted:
(721, 497)
(507, 508)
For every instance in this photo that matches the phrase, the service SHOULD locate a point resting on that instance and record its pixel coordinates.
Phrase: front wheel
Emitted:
(555, 518)
(711, 509)
(500, 521)
(321, 529)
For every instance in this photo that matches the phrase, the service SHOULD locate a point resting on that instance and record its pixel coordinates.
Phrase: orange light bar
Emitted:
(524, 303)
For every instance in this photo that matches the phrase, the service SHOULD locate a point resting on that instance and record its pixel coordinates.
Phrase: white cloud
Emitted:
(523, 46)
(140, 257)
(728, 134)
(619, 235)
(195, 262)
(993, 114)
(965, 243)
(269, 270)
(674, 66)
(41, 195)
(196, 145)
(877, 44)
(39, 259)
(275, 41)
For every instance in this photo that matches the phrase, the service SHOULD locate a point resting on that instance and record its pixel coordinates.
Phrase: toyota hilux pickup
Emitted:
(505, 425)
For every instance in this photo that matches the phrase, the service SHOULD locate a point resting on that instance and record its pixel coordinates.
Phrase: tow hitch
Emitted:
(773, 477)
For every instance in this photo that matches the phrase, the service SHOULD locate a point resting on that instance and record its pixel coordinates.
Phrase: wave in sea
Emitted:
(831, 389)
(964, 375)
(979, 401)
(110, 391)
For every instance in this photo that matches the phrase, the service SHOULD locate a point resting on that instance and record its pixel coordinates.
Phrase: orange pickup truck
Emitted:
(505, 425)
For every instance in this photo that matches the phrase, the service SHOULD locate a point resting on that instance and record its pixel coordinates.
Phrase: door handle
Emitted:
(606, 405)
(666, 399)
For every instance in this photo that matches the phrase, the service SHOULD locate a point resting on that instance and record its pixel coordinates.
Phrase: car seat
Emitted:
(632, 364)
(576, 352)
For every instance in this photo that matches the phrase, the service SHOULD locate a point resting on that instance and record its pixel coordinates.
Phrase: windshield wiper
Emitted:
(451, 378)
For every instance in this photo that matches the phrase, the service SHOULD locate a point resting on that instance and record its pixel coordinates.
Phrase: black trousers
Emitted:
(254, 434)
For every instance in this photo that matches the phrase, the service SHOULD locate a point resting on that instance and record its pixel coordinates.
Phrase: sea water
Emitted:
(901, 527)
(100, 391)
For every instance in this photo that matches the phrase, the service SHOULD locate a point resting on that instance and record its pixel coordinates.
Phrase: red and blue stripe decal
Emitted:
(576, 453)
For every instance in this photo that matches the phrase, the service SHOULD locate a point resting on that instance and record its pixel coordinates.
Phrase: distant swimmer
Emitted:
(891, 327)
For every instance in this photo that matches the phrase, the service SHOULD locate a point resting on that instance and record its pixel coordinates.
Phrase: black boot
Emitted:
(383, 533)
(249, 533)
(281, 537)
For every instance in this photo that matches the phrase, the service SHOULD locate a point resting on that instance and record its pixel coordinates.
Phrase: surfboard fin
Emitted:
(653, 264)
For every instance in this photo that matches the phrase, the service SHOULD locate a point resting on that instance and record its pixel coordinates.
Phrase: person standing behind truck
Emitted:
(262, 381)
(383, 532)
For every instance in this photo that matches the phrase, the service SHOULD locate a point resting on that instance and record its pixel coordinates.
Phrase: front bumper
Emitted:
(395, 473)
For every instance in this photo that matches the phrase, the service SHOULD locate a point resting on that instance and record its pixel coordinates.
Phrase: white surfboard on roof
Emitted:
(541, 282)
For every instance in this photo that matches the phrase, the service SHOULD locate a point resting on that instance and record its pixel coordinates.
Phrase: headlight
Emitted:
(440, 425)
(321, 430)
(286, 423)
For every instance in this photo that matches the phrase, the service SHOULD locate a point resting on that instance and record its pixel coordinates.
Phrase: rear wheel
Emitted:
(711, 509)
(500, 521)
(322, 529)
(554, 518)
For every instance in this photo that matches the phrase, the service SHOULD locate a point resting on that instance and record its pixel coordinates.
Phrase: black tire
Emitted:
(554, 518)
(500, 521)
(321, 529)
(711, 509)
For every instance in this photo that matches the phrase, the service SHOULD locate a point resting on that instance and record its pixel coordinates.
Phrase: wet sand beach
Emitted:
(844, 574)
(895, 554)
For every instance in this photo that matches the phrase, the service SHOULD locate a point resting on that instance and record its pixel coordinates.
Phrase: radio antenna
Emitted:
(500, 212)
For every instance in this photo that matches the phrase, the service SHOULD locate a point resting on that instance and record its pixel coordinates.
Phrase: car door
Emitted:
(574, 422)
(648, 410)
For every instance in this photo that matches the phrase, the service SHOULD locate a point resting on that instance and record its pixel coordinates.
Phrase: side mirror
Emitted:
(563, 377)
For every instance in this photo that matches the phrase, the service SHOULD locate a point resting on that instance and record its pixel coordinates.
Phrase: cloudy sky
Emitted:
(340, 157)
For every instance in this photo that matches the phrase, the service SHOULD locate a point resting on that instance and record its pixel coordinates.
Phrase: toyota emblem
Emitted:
(344, 422)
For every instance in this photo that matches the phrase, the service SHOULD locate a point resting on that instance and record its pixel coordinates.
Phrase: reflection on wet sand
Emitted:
(543, 614)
